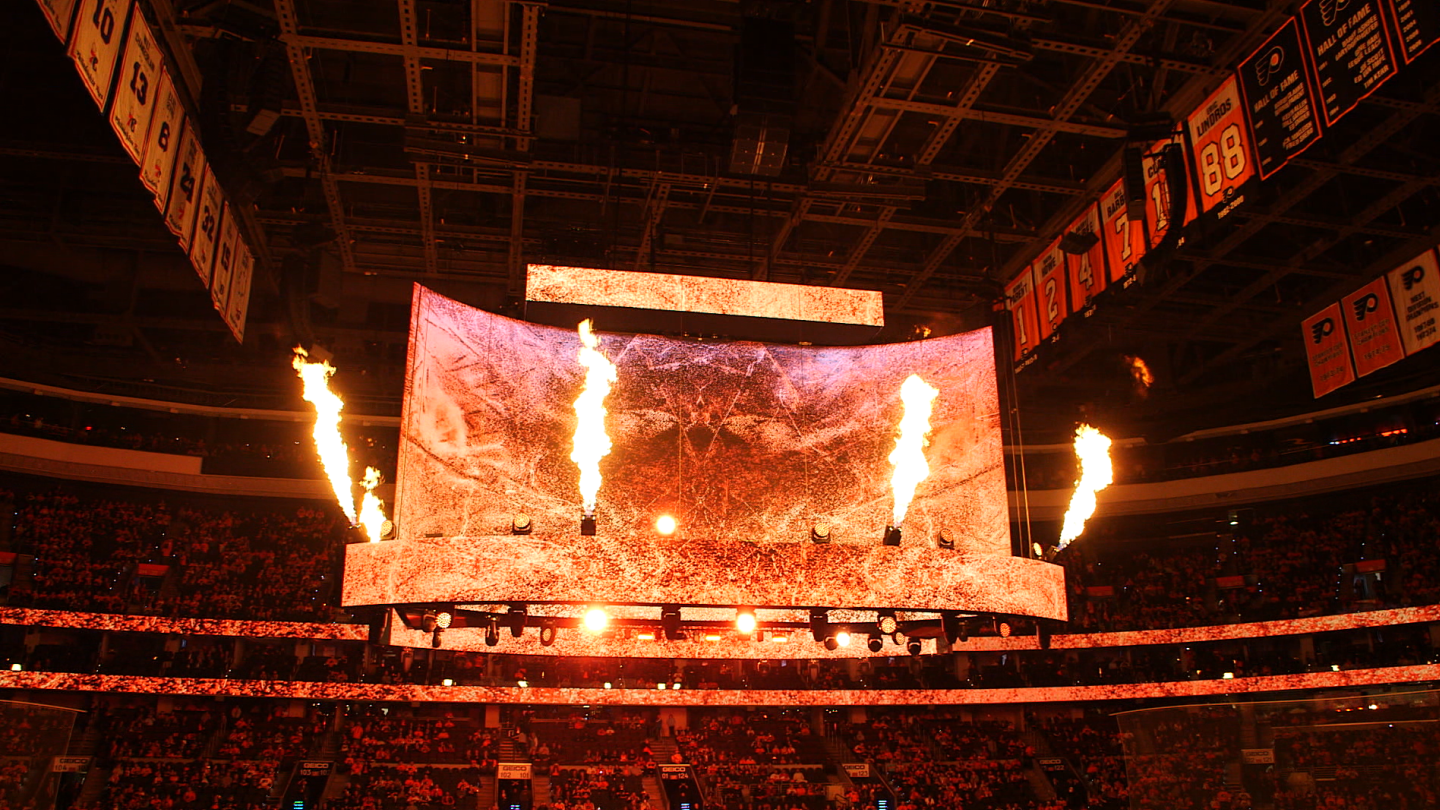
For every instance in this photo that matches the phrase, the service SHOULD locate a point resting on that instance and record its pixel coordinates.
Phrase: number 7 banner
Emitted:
(1220, 147)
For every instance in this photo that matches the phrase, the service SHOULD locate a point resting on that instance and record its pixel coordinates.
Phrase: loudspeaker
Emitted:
(1132, 161)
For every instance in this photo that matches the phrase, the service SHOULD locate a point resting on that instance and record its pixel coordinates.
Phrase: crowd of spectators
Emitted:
(603, 787)
(378, 734)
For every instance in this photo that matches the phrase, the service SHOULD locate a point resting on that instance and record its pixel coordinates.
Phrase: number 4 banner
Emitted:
(1086, 270)
(1220, 148)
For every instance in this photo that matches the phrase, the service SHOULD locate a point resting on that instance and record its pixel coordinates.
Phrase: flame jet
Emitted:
(591, 442)
(1092, 448)
(330, 447)
(908, 457)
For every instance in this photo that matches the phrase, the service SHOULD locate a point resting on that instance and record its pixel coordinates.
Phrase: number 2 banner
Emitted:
(1050, 281)
(1220, 148)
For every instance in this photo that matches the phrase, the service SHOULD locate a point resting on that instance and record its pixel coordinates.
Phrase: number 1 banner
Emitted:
(1220, 149)
(1020, 300)
(140, 68)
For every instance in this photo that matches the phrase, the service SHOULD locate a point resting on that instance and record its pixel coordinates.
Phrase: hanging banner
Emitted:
(1370, 324)
(1220, 149)
(1157, 194)
(161, 139)
(185, 178)
(135, 91)
(1086, 271)
(59, 13)
(1279, 102)
(1327, 351)
(1050, 282)
(238, 305)
(1415, 287)
(209, 208)
(1124, 240)
(1350, 52)
(1024, 317)
(224, 261)
(1417, 23)
(95, 44)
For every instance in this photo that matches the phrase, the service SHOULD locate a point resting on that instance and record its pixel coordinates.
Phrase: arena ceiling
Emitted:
(931, 150)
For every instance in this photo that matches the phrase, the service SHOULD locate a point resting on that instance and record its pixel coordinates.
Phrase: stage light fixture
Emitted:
(660, 686)
(745, 622)
(913, 646)
(435, 639)
(1004, 629)
(670, 623)
(1078, 243)
(842, 638)
(819, 620)
(492, 634)
(888, 623)
(876, 644)
(523, 684)
(448, 682)
(587, 525)
(779, 638)
(547, 634)
(892, 536)
(820, 532)
(665, 525)
(675, 687)
(945, 539)
(831, 644)
(17, 667)
(596, 620)
(712, 636)
(520, 524)
(429, 620)
(516, 619)
(608, 685)
(645, 635)
(444, 619)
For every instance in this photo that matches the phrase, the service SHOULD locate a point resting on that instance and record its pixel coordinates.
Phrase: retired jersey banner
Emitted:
(1220, 149)
(1124, 240)
(185, 178)
(1350, 52)
(1157, 194)
(1415, 286)
(209, 208)
(1020, 300)
(60, 13)
(224, 261)
(1279, 101)
(1086, 271)
(162, 140)
(238, 305)
(1327, 351)
(135, 90)
(1370, 323)
(1417, 24)
(95, 44)
(1050, 285)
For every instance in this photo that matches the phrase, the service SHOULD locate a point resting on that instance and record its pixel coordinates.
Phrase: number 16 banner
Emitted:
(1220, 147)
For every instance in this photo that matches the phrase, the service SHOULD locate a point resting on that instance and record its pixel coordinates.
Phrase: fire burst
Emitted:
(1140, 372)
(591, 442)
(1092, 448)
(908, 457)
(329, 445)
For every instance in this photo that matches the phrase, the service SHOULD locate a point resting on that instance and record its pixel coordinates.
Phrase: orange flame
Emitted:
(334, 456)
(908, 457)
(591, 442)
(1140, 371)
(1092, 448)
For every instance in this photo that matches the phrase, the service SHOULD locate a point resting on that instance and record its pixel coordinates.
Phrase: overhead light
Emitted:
(492, 634)
(607, 685)
(675, 687)
(516, 616)
(892, 535)
(780, 638)
(665, 525)
(444, 619)
(17, 667)
(876, 644)
(596, 620)
(842, 638)
(429, 621)
(1004, 629)
(1229, 676)
(1077, 243)
(660, 686)
(913, 646)
(745, 622)
(888, 623)
(820, 532)
(831, 644)
(819, 620)
(520, 524)
(547, 634)
(523, 684)
(945, 539)
(712, 636)
(447, 682)
(670, 623)
(645, 635)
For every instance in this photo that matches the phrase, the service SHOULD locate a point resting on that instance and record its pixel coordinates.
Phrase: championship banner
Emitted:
(1049, 272)
(95, 44)
(1370, 323)
(1024, 316)
(1417, 23)
(1327, 351)
(60, 13)
(161, 139)
(1279, 101)
(185, 178)
(1350, 52)
(1415, 287)
(224, 261)
(1157, 194)
(238, 305)
(1220, 149)
(1086, 271)
(1124, 240)
(209, 207)
(140, 68)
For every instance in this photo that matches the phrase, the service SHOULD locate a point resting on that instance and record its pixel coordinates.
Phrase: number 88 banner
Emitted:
(1220, 146)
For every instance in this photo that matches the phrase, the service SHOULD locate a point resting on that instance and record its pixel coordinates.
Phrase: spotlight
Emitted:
(516, 616)
(913, 646)
(520, 524)
(820, 532)
(712, 636)
(444, 619)
(660, 686)
(435, 639)
(587, 525)
(876, 644)
(447, 682)
(670, 623)
(17, 667)
(887, 623)
(609, 685)
(387, 530)
(675, 687)
(842, 638)
(945, 539)
(547, 634)
(892, 535)
(665, 525)
(596, 620)
(429, 621)
(780, 638)
(831, 644)
(818, 621)
(745, 622)
(1004, 629)
(492, 634)
(645, 635)
(523, 684)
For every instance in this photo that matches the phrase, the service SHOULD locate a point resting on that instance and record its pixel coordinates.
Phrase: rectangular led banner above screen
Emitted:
(739, 441)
